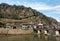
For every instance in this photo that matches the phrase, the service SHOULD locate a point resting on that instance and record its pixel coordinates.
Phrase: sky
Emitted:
(49, 8)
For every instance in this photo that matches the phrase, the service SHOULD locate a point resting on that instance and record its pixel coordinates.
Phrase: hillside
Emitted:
(23, 14)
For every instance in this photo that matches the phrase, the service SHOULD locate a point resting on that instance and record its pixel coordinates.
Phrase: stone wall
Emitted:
(14, 31)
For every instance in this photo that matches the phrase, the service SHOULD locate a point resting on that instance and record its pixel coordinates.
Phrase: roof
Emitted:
(13, 25)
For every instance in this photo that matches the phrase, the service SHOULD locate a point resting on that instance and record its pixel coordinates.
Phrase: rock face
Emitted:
(24, 14)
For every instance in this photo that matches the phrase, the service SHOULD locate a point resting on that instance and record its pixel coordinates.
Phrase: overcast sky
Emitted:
(50, 8)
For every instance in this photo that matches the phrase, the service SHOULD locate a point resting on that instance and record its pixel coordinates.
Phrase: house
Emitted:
(24, 26)
(38, 26)
(27, 26)
(13, 26)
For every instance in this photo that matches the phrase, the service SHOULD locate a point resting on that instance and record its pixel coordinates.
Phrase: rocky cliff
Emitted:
(23, 14)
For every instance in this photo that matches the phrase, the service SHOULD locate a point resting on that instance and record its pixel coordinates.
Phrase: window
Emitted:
(14, 27)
